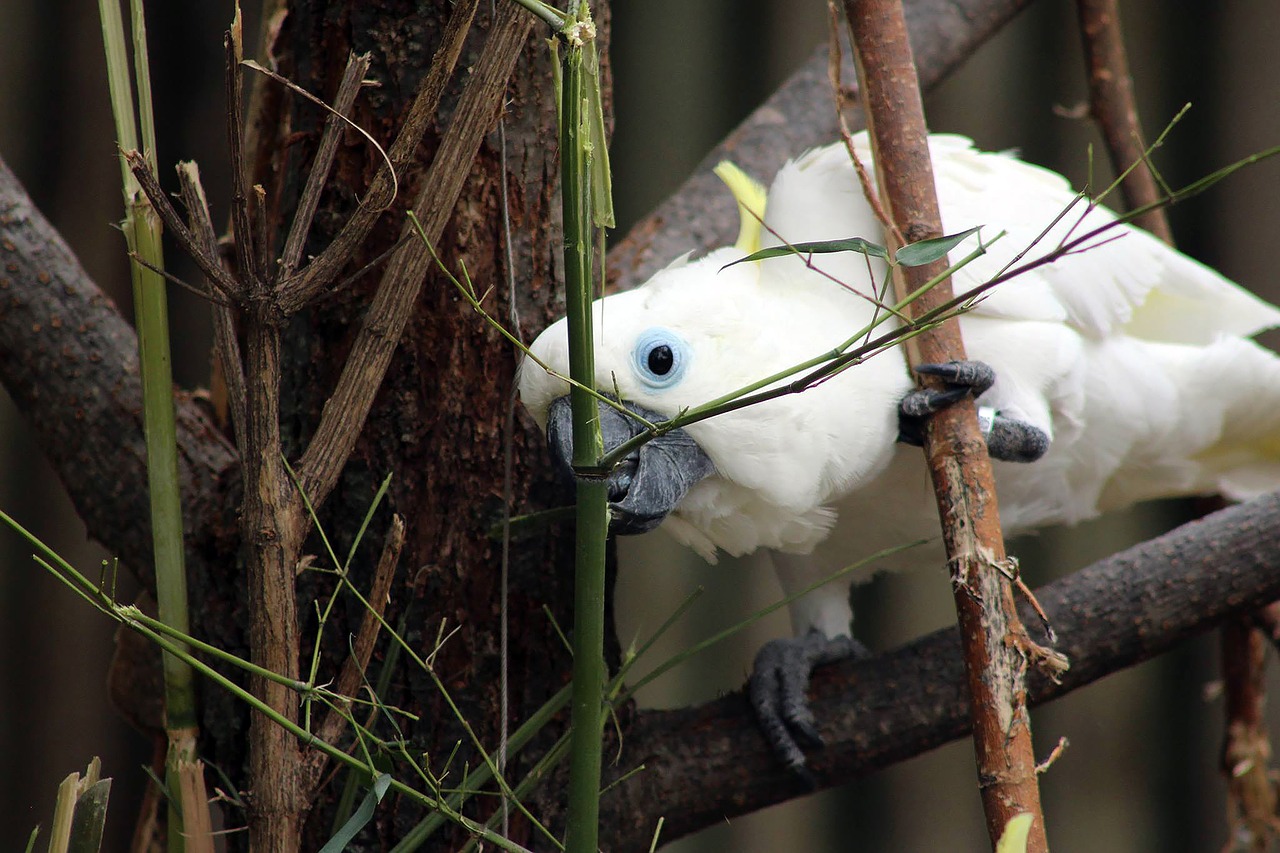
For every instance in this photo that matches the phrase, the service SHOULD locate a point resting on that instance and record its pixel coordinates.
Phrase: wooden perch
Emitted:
(996, 648)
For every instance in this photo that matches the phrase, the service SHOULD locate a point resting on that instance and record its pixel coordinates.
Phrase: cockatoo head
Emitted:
(657, 351)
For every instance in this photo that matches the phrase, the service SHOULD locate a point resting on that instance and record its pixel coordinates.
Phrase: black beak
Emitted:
(651, 481)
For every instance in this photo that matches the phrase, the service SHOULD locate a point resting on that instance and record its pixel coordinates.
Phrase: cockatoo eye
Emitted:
(659, 357)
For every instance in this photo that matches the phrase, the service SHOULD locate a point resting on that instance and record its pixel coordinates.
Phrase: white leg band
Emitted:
(986, 420)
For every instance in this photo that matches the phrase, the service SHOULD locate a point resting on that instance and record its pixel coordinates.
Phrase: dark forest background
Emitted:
(1141, 773)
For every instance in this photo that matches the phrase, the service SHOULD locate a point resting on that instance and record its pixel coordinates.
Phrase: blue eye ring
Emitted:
(659, 357)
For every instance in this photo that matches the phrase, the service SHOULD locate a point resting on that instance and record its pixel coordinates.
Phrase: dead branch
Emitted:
(996, 646)
(297, 290)
(225, 344)
(348, 88)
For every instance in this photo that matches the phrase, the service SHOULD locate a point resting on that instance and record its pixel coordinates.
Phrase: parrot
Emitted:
(1118, 372)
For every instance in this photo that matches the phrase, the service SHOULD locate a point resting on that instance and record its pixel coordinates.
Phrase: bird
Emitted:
(1113, 370)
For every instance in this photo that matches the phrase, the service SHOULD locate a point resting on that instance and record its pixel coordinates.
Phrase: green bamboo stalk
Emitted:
(582, 828)
(142, 231)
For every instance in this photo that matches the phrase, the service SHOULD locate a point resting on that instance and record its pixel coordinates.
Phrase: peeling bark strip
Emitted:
(993, 637)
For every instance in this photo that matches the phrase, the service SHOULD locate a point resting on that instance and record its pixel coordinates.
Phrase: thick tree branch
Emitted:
(69, 360)
(707, 763)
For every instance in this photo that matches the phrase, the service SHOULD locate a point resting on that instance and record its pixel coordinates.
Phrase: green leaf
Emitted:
(928, 251)
(821, 247)
(361, 816)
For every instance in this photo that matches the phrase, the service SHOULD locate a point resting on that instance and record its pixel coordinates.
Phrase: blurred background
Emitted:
(1141, 772)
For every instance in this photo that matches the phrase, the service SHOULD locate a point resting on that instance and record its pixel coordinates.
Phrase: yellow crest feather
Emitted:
(751, 196)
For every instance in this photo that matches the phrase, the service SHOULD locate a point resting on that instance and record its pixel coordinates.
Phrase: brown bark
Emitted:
(996, 647)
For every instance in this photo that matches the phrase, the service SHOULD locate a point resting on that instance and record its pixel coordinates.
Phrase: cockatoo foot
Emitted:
(778, 692)
(1008, 439)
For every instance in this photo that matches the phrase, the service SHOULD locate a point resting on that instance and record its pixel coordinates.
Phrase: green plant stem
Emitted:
(582, 828)
(142, 231)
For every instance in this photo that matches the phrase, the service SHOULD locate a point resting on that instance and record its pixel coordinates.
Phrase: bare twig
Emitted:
(208, 262)
(302, 287)
(994, 640)
(1113, 107)
(349, 679)
(345, 411)
(241, 219)
(225, 344)
(352, 78)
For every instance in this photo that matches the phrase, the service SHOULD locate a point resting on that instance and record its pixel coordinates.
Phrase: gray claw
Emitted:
(926, 401)
(777, 690)
(975, 376)
(1012, 440)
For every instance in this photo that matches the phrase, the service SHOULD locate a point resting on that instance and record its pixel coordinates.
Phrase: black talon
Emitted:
(927, 401)
(1013, 440)
(777, 690)
(975, 376)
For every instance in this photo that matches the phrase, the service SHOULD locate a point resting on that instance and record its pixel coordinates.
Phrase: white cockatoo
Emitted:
(1123, 371)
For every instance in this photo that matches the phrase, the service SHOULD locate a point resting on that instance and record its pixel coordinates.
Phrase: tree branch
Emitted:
(996, 647)
(69, 360)
(706, 763)
(1115, 110)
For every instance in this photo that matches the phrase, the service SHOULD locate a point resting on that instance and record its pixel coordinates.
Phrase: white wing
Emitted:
(1121, 281)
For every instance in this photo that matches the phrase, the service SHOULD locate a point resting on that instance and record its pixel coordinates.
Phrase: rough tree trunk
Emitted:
(438, 423)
